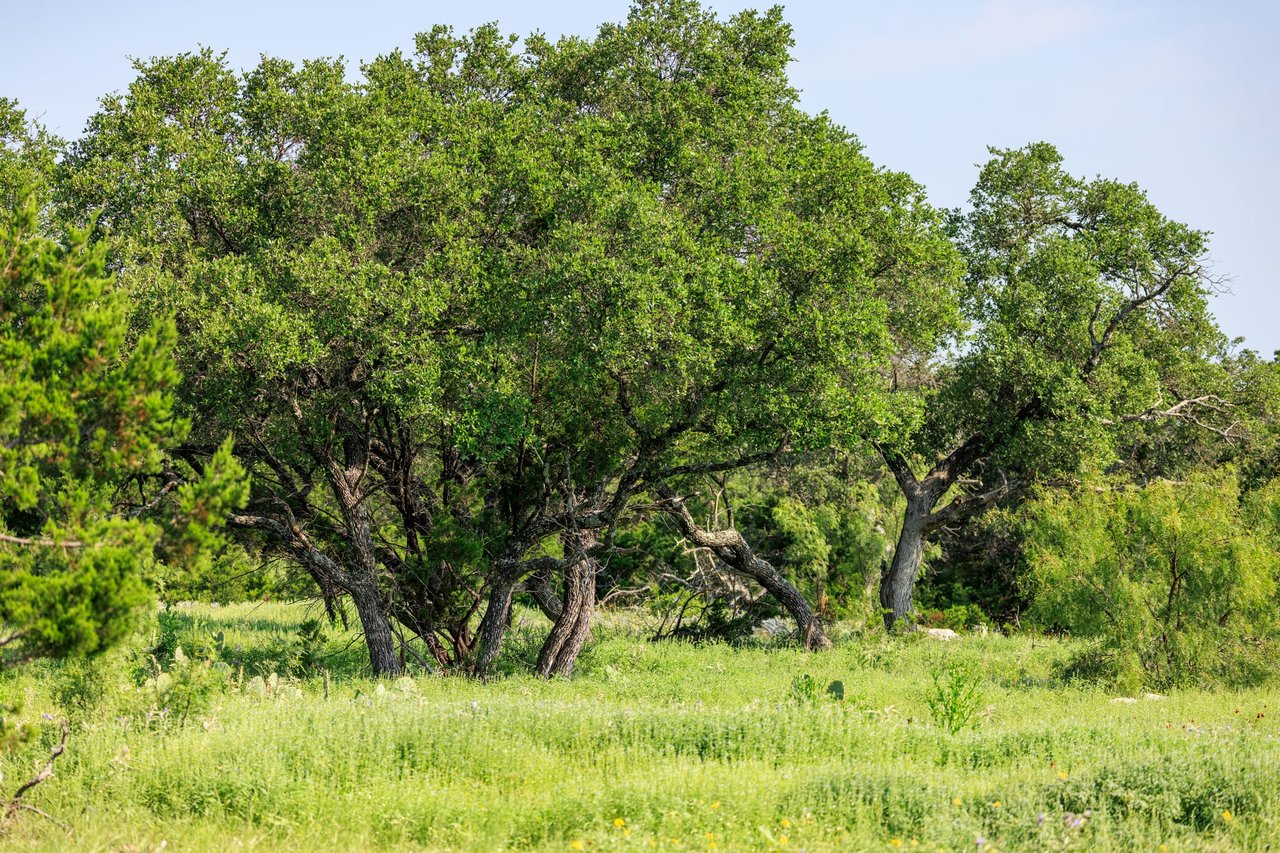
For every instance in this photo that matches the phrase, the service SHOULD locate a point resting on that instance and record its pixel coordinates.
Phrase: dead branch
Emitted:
(16, 803)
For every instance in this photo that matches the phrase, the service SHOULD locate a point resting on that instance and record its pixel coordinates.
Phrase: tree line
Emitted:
(500, 318)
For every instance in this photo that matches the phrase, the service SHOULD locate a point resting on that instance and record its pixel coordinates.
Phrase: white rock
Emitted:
(774, 627)
(1152, 697)
(1124, 700)
(941, 633)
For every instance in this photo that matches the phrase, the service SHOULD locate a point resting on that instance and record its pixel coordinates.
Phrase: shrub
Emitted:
(1173, 579)
(954, 697)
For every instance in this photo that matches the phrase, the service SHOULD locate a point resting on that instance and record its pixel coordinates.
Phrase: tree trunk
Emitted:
(732, 550)
(377, 629)
(897, 585)
(543, 591)
(494, 624)
(573, 625)
(808, 626)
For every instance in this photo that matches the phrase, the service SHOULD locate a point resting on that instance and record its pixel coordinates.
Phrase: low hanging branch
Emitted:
(16, 803)
(732, 549)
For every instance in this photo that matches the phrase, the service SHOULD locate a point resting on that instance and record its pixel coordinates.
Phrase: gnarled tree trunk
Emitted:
(573, 625)
(732, 549)
(544, 593)
(493, 626)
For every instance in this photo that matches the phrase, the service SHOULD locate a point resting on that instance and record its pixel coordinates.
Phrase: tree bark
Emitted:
(543, 591)
(732, 549)
(378, 637)
(897, 585)
(572, 627)
(493, 627)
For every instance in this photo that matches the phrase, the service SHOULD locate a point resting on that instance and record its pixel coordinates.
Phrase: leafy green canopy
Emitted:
(1087, 309)
(82, 415)
(28, 154)
(491, 285)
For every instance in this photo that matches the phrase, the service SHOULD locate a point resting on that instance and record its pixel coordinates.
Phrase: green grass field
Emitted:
(649, 745)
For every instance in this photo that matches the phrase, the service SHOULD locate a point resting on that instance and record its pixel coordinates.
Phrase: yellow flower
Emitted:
(1227, 816)
(895, 842)
(997, 804)
(711, 836)
(712, 845)
(577, 845)
(957, 801)
(784, 823)
(626, 833)
(1164, 848)
(619, 822)
(782, 840)
(1062, 774)
(716, 804)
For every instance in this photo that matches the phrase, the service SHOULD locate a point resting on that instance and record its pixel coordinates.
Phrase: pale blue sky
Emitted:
(1181, 97)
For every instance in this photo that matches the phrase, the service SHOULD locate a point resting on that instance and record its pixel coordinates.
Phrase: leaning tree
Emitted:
(1087, 316)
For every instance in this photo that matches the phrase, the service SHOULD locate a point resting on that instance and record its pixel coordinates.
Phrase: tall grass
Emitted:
(649, 745)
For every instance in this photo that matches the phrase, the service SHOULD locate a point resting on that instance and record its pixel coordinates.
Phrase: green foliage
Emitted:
(183, 687)
(85, 415)
(1175, 579)
(824, 523)
(955, 697)
(28, 155)
(501, 277)
(804, 688)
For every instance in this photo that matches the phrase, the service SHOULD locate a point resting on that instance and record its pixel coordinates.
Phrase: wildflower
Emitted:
(784, 823)
(782, 840)
(895, 842)
(626, 833)
(1062, 774)
(716, 804)
(956, 802)
(997, 804)
(1040, 818)
(1164, 848)
(619, 822)
(1227, 816)
(711, 845)
(577, 844)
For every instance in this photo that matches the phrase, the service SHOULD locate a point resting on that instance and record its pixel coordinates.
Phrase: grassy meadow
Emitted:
(648, 745)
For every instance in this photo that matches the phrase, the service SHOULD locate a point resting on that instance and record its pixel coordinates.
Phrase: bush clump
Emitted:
(1176, 580)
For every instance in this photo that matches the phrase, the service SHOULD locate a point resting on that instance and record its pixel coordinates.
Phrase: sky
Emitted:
(1181, 97)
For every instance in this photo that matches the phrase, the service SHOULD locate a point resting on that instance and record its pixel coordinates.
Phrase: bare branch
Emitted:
(1186, 411)
(15, 803)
